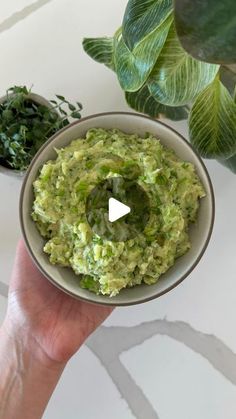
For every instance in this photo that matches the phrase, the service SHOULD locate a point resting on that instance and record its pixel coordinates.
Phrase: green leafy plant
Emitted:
(170, 59)
(25, 125)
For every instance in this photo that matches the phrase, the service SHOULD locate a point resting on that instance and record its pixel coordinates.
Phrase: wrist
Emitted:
(22, 341)
(28, 377)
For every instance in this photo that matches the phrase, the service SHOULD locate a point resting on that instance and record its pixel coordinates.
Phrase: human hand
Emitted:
(43, 328)
(53, 324)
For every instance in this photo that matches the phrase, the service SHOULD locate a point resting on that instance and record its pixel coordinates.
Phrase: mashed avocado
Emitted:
(59, 210)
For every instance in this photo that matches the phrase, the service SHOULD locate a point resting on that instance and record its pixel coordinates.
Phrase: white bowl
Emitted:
(200, 232)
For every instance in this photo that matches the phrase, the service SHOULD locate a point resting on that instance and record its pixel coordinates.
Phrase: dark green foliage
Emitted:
(25, 125)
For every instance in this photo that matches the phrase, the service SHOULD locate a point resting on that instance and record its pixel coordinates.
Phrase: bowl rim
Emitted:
(109, 301)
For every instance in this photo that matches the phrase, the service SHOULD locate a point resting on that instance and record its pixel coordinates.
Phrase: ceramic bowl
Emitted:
(64, 278)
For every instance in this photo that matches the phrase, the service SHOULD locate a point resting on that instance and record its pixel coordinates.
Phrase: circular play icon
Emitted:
(117, 209)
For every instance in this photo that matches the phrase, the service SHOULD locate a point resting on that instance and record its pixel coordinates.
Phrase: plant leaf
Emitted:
(71, 107)
(61, 98)
(100, 49)
(133, 68)
(63, 112)
(143, 101)
(207, 29)
(80, 106)
(143, 17)
(228, 78)
(230, 163)
(76, 115)
(177, 78)
(212, 122)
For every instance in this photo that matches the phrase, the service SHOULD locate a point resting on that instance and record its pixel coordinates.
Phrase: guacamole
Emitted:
(62, 213)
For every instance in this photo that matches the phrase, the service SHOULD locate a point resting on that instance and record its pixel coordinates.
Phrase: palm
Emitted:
(57, 322)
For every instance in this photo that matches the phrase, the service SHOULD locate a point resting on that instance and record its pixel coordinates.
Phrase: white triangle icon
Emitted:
(117, 210)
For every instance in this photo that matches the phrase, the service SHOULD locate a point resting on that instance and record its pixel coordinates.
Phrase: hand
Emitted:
(53, 324)
(43, 328)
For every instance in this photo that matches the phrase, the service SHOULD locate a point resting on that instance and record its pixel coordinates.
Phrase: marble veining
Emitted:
(120, 339)
(22, 14)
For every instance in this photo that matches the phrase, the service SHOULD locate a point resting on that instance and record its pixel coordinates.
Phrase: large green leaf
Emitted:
(133, 68)
(143, 101)
(228, 78)
(230, 163)
(212, 122)
(177, 78)
(143, 17)
(100, 49)
(207, 29)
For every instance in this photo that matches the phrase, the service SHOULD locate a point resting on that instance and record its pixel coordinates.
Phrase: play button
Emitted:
(117, 210)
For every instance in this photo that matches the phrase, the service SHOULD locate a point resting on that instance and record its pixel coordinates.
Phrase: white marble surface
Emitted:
(173, 357)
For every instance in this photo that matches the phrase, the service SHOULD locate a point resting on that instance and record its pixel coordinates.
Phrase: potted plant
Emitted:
(170, 58)
(27, 120)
